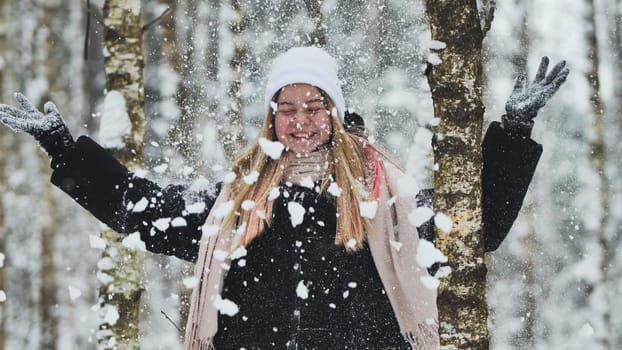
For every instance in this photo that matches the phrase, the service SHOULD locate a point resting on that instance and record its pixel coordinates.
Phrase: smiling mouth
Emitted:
(302, 135)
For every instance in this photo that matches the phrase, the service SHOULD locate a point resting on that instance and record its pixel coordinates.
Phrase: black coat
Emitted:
(270, 310)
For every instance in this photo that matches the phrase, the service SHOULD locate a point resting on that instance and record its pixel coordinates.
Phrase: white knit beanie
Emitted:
(310, 65)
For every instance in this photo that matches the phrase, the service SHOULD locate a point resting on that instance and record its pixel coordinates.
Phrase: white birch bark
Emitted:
(598, 163)
(456, 84)
(123, 64)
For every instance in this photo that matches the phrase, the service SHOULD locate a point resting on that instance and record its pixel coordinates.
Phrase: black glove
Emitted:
(526, 99)
(48, 128)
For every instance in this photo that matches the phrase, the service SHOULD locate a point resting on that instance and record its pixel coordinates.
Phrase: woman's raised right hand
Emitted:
(48, 127)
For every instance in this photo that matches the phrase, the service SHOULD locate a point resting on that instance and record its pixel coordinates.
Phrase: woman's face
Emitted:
(302, 122)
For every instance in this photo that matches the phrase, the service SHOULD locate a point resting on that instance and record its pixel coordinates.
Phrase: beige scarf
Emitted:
(393, 243)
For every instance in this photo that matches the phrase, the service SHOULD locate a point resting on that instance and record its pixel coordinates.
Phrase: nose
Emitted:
(301, 117)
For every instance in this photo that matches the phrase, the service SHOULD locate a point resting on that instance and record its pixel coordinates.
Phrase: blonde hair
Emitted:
(349, 167)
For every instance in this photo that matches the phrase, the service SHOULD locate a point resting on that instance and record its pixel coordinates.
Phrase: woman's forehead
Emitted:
(299, 93)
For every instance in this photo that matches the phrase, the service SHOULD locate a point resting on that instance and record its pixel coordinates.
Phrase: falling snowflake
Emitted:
(296, 213)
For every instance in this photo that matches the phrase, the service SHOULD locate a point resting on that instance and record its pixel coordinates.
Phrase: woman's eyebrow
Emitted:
(321, 100)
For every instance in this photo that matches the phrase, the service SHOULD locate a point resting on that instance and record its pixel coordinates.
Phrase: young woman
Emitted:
(309, 246)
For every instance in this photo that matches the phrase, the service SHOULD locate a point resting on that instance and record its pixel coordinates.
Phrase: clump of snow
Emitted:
(179, 222)
(428, 255)
(238, 253)
(1, 260)
(302, 291)
(396, 245)
(133, 241)
(104, 278)
(296, 213)
(434, 59)
(252, 177)
(115, 122)
(223, 209)
(272, 149)
(443, 222)
(334, 189)
(74, 293)
(436, 45)
(586, 330)
(443, 271)
(351, 243)
(274, 193)
(111, 315)
(2, 296)
(162, 224)
(229, 177)
(195, 208)
(352, 284)
(420, 215)
(307, 182)
(226, 306)
(190, 282)
(368, 209)
(407, 186)
(430, 282)
(105, 263)
(140, 206)
(248, 204)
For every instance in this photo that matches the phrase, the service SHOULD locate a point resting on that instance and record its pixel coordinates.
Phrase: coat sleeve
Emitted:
(168, 219)
(508, 165)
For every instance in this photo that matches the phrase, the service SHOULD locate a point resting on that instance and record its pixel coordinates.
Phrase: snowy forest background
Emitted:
(553, 284)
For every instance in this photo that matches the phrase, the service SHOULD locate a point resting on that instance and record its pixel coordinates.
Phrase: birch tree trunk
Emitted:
(598, 163)
(319, 36)
(121, 288)
(456, 85)
(231, 132)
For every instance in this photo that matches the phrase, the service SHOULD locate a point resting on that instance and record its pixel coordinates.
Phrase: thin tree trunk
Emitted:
(617, 51)
(4, 23)
(123, 66)
(231, 132)
(527, 334)
(212, 55)
(319, 35)
(3, 229)
(92, 77)
(456, 85)
(49, 39)
(598, 163)
(49, 284)
(190, 92)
